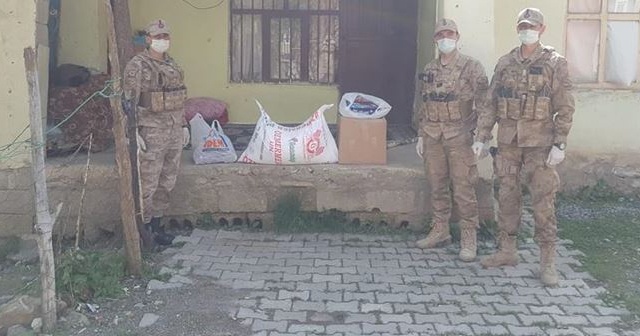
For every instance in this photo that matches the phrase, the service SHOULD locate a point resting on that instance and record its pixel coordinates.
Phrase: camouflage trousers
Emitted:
(159, 166)
(542, 181)
(451, 165)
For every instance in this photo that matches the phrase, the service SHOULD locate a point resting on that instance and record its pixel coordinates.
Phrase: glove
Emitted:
(186, 136)
(480, 149)
(141, 144)
(420, 147)
(556, 155)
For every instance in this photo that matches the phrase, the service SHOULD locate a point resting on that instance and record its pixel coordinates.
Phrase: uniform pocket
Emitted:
(543, 108)
(432, 112)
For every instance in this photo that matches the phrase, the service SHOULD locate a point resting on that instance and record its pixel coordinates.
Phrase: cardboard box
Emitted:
(362, 141)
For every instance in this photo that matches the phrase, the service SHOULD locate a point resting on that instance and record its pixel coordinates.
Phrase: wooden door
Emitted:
(378, 48)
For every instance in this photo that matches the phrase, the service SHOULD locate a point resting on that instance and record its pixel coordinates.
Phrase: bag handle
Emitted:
(216, 126)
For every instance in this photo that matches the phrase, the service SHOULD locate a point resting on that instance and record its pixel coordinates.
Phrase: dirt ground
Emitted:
(202, 308)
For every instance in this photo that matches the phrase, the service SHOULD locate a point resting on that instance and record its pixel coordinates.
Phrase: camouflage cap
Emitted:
(445, 24)
(158, 27)
(531, 16)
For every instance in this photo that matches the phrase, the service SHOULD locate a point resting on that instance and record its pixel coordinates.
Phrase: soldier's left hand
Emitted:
(186, 136)
(556, 155)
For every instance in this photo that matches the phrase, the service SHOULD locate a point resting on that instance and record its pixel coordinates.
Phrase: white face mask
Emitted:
(446, 45)
(160, 46)
(529, 36)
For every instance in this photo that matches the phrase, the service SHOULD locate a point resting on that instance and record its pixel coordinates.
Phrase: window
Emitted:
(602, 42)
(284, 41)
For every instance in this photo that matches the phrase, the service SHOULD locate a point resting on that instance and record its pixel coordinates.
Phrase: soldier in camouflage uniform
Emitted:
(453, 85)
(154, 84)
(531, 101)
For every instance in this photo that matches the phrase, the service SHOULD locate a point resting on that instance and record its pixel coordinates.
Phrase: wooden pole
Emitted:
(44, 220)
(127, 205)
(122, 20)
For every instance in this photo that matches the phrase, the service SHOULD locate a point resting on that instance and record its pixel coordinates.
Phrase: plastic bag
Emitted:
(308, 143)
(210, 143)
(363, 106)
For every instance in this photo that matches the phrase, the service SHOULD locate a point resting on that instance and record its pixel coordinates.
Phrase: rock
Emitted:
(148, 320)
(158, 285)
(36, 324)
(180, 279)
(167, 270)
(19, 330)
(28, 253)
(21, 310)
(139, 305)
(5, 298)
(78, 319)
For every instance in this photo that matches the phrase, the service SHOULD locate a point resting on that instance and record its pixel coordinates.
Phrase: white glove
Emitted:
(186, 136)
(420, 147)
(141, 144)
(480, 149)
(556, 155)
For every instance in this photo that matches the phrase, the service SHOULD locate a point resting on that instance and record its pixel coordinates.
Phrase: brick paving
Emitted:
(344, 284)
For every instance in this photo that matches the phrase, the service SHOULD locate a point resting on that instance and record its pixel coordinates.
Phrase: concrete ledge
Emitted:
(397, 191)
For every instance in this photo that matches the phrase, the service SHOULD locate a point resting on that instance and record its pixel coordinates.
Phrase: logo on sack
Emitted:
(313, 145)
(277, 150)
(292, 149)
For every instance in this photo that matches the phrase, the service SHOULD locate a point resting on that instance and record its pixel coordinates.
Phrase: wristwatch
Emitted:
(560, 145)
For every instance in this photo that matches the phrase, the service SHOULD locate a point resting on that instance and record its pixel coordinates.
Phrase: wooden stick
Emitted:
(44, 221)
(127, 208)
(84, 189)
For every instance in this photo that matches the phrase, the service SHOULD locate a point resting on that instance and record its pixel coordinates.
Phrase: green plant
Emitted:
(599, 192)
(206, 222)
(612, 255)
(85, 275)
(8, 247)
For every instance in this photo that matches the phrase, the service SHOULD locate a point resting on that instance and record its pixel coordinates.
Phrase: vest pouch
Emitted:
(174, 99)
(502, 108)
(513, 108)
(432, 111)
(153, 101)
(543, 108)
(528, 112)
(443, 111)
(535, 82)
(454, 110)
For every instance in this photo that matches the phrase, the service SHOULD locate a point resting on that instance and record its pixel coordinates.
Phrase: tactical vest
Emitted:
(441, 101)
(167, 91)
(525, 91)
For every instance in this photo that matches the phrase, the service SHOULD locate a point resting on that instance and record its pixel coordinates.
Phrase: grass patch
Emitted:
(612, 250)
(9, 246)
(85, 275)
(290, 218)
(600, 192)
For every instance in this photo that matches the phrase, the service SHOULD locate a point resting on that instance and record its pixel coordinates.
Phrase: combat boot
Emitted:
(548, 273)
(438, 236)
(468, 244)
(507, 254)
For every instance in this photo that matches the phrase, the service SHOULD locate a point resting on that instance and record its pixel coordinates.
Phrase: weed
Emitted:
(84, 275)
(290, 218)
(8, 247)
(206, 222)
(612, 255)
(599, 192)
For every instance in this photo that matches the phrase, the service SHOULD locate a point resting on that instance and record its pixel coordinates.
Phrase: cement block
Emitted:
(16, 202)
(391, 200)
(15, 225)
(238, 199)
